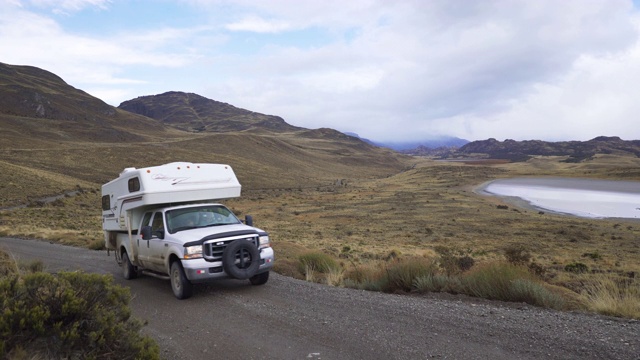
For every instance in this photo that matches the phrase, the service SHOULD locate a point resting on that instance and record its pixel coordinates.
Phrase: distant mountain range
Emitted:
(575, 150)
(410, 146)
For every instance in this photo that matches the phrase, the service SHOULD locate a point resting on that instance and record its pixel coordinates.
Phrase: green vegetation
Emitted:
(66, 315)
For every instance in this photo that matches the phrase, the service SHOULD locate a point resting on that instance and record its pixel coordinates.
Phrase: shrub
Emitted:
(517, 254)
(454, 261)
(69, 315)
(576, 267)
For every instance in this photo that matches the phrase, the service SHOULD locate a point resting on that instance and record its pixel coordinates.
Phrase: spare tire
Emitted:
(241, 259)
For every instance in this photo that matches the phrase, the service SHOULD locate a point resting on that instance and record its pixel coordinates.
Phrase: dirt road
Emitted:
(291, 319)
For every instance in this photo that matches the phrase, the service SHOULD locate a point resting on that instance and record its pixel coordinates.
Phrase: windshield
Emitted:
(197, 217)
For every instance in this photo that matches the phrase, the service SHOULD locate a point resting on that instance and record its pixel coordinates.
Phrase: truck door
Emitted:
(155, 246)
(142, 244)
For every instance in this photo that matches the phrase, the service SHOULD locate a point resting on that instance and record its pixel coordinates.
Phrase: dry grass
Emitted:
(613, 296)
(363, 220)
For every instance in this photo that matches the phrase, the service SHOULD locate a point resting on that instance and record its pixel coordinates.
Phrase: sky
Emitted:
(388, 70)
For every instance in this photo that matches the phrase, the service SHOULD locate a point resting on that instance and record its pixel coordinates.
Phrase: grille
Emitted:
(212, 250)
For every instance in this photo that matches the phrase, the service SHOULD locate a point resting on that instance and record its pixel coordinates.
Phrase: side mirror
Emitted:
(248, 219)
(146, 232)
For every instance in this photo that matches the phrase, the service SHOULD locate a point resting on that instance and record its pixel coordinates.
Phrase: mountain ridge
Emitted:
(195, 113)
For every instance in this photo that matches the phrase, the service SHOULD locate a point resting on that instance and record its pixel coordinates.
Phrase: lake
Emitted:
(580, 197)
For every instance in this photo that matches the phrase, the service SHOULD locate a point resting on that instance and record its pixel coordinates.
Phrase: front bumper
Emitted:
(200, 270)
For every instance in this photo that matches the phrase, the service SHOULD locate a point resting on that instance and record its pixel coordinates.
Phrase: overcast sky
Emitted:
(386, 70)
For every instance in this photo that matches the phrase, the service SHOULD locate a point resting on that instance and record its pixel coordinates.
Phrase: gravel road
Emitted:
(292, 319)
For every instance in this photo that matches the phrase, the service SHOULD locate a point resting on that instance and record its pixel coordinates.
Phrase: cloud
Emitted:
(386, 70)
(427, 65)
(65, 7)
(257, 24)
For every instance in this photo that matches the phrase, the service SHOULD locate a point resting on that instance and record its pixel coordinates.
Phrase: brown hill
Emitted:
(37, 104)
(192, 112)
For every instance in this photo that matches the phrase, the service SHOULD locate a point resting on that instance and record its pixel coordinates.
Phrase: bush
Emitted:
(69, 315)
(517, 254)
(454, 261)
(576, 267)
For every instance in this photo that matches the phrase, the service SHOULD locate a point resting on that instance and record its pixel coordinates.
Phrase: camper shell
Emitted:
(126, 198)
(144, 213)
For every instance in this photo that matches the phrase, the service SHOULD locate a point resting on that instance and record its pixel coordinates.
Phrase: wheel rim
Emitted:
(176, 279)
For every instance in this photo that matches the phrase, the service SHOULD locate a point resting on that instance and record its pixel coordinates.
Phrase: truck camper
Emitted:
(165, 221)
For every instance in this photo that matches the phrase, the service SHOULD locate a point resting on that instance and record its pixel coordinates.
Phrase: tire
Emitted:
(128, 270)
(241, 259)
(181, 286)
(259, 279)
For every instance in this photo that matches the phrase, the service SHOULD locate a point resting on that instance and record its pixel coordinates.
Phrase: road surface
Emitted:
(292, 319)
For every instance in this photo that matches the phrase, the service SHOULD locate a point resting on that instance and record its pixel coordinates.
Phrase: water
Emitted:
(581, 197)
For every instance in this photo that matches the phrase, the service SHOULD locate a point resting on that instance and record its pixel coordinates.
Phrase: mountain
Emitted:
(58, 111)
(575, 150)
(195, 113)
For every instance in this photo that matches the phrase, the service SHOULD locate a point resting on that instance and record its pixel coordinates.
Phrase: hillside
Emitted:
(55, 138)
(192, 112)
(37, 104)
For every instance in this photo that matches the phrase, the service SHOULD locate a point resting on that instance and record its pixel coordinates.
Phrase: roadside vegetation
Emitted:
(422, 230)
(68, 315)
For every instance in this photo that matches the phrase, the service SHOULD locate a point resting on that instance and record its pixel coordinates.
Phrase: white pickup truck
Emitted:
(165, 221)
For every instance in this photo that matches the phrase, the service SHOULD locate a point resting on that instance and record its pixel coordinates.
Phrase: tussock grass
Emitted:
(438, 283)
(611, 296)
(397, 275)
(313, 263)
(508, 282)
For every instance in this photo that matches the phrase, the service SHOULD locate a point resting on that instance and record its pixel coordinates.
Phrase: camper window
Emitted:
(134, 184)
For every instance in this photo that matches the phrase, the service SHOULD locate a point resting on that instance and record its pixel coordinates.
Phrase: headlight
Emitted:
(264, 241)
(193, 252)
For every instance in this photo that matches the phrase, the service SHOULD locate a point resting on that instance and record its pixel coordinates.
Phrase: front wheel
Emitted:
(128, 270)
(259, 279)
(181, 286)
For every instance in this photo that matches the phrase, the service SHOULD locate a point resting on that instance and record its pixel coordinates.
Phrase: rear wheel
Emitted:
(181, 286)
(128, 270)
(259, 279)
